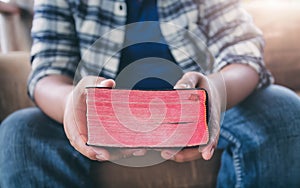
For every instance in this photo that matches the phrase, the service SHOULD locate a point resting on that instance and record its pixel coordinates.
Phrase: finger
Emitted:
(94, 153)
(188, 80)
(116, 154)
(94, 81)
(101, 154)
(214, 131)
(188, 154)
(208, 150)
(168, 154)
(79, 140)
(208, 153)
(139, 152)
(77, 116)
(107, 83)
(132, 152)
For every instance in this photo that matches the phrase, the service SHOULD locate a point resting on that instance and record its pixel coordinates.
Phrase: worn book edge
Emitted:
(205, 137)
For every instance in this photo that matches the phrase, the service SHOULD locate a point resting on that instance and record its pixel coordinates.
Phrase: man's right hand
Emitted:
(75, 124)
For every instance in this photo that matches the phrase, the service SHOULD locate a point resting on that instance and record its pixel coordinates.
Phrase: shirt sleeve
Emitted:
(55, 48)
(233, 38)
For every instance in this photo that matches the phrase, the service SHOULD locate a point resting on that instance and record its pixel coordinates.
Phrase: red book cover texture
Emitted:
(146, 119)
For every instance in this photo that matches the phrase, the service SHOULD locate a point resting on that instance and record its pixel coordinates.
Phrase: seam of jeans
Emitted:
(237, 159)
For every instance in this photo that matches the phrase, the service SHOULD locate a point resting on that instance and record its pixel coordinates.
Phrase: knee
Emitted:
(268, 114)
(276, 95)
(16, 123)
(275, 103)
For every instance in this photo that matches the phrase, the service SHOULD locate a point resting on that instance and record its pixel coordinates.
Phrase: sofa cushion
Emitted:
(14, 69)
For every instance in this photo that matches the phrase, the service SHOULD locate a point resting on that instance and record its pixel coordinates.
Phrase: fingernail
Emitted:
(138, 153)
(212, 151)
(168, 155)
(208, 154)
(182, 86)
(102, 83)
(101, 157)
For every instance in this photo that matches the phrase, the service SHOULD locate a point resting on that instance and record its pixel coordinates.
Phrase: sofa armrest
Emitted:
(14, 70)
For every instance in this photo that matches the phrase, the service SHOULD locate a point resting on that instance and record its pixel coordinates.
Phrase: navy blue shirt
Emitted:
(144, 40)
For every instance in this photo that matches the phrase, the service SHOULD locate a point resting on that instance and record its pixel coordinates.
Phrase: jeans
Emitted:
(260, 138)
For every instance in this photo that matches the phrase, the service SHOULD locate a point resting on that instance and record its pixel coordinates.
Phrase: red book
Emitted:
(146, 119)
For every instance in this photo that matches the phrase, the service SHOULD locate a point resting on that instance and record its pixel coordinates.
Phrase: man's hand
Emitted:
(214, 87)
(76, 126)
(225, 89)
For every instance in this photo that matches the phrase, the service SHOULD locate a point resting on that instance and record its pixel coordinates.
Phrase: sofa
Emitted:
(282, 58)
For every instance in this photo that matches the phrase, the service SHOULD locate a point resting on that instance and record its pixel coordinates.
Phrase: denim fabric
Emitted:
(260, 138)
(261, 141)
(34, 152)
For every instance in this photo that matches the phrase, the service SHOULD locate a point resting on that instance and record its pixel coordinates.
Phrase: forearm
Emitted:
(239, 80)
(51, 95)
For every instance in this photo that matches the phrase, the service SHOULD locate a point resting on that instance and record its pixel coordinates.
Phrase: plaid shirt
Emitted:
(84, 37)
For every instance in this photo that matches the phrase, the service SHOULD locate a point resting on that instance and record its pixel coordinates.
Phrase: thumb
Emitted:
(188, 80)
(107, 83)
(94, 81)
(208, 153)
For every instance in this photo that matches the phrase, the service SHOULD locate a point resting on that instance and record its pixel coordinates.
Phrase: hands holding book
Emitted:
(76, 129)
(223, 86)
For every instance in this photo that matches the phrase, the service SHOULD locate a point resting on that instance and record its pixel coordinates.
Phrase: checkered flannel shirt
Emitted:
(84, 37)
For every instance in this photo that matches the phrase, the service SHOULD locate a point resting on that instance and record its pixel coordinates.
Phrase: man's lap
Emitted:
(269, 114)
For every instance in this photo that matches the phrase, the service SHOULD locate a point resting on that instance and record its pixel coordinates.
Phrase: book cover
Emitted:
(146, 119)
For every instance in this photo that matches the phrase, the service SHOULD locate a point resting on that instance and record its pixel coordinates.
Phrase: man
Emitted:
(260, 130)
